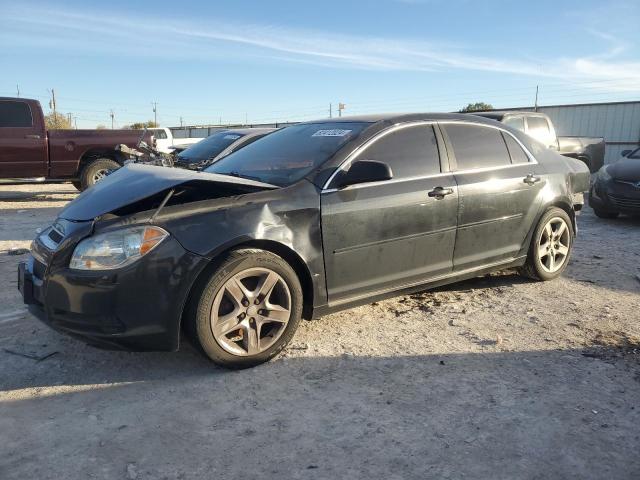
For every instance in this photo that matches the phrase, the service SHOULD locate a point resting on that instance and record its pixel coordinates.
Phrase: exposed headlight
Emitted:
(116, 249)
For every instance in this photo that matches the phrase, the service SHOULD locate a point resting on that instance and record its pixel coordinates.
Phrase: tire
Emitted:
(93, 170)
(539, 266)
(213, 310)
(605, 214)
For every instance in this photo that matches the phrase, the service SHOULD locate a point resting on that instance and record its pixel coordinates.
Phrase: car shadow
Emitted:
(39, 196)
(530, 414)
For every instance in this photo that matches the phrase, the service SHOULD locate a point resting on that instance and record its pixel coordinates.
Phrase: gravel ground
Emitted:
(496, 377)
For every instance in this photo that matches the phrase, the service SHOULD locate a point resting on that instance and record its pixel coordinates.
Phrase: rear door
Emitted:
(23, 152)
(380, 236)
(499, 187)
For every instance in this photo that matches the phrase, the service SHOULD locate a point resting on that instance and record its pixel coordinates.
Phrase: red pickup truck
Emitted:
(29, 152)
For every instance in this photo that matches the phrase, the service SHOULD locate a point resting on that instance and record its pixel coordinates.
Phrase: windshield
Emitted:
(287, 155)
(635, 154)
(210, 147)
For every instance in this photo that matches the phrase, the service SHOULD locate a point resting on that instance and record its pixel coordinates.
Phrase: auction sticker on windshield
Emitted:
(336, 132)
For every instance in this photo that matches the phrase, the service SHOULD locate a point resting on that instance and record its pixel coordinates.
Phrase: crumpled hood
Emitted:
(134, 182)
(627, 170)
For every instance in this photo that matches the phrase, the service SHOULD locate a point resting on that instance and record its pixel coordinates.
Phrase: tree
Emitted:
(142, 125)
(100, 127)
(477, 107)
(57, 122)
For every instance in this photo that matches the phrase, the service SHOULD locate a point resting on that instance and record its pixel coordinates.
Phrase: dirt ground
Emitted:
(497, 377)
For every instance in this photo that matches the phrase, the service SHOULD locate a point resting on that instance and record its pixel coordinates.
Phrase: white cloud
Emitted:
(139, 35)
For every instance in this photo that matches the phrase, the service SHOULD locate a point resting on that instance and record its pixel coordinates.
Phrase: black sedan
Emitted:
(217, 146)
(311, 219)
(616, 187)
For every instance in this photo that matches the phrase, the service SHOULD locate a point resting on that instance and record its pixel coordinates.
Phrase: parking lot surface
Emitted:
(497, 377)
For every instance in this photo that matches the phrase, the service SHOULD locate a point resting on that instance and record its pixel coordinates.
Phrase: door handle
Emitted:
(439, 192)
(32, 136)
(531, 179)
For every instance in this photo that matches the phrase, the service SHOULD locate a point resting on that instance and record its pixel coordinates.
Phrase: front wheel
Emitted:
(248, 310)
(550, 246)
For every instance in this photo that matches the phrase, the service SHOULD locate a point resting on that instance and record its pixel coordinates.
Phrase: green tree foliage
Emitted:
(477, 107)
(142, 125)
(57, 122)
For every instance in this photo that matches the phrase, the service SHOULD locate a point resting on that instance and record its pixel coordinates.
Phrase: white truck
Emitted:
(165, 139)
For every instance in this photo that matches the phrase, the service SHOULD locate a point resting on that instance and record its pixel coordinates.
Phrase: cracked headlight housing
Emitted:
(116, 249)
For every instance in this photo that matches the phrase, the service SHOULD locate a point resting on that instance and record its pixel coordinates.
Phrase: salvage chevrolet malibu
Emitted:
(314, 218)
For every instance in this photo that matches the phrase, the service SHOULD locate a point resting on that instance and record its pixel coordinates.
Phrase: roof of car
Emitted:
(500, 114)
(246, 131)
(396, 118)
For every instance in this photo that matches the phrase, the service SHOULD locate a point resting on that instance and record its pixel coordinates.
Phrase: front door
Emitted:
(499, 188)
(23, 152)
(381, 236)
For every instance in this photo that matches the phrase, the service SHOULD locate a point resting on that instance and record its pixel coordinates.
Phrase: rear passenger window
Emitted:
(514, 122)
(515, 150)
(159, 134)
(477, 147)
(15, 114)
(538, 125)
(409, 151)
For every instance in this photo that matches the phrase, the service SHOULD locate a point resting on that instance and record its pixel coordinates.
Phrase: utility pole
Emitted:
(17, 90)
(111, 114)
(535, 108)
(75, 122)
(331, 110)
(180, 122)
(341, 106)
(52, 105)
(246, 118)
(69, 118)
(155, 112)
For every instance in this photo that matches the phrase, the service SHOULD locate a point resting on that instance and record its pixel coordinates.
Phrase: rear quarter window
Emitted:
(15, 114)
(516, 152)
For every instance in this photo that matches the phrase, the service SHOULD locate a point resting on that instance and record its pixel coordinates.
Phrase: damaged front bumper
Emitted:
(138, 307)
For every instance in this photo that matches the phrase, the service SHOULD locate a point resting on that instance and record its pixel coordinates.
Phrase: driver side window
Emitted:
(409, 151)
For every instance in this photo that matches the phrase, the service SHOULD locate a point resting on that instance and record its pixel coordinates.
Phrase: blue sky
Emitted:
(287, 60)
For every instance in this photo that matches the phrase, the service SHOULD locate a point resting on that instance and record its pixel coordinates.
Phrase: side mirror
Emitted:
(363, 171)
(625, 153)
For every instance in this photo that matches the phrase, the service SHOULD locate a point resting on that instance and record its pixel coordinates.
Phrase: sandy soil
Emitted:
(496, 377)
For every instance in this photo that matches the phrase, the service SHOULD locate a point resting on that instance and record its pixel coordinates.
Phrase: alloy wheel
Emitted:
(553, 246)
(251, 311)
(99, 175)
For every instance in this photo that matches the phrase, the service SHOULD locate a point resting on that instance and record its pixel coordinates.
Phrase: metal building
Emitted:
(617, 122)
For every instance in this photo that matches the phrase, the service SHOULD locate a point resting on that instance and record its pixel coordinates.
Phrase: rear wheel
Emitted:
(248, 310)
(605, 214)
(96, 170)
(550, 246)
